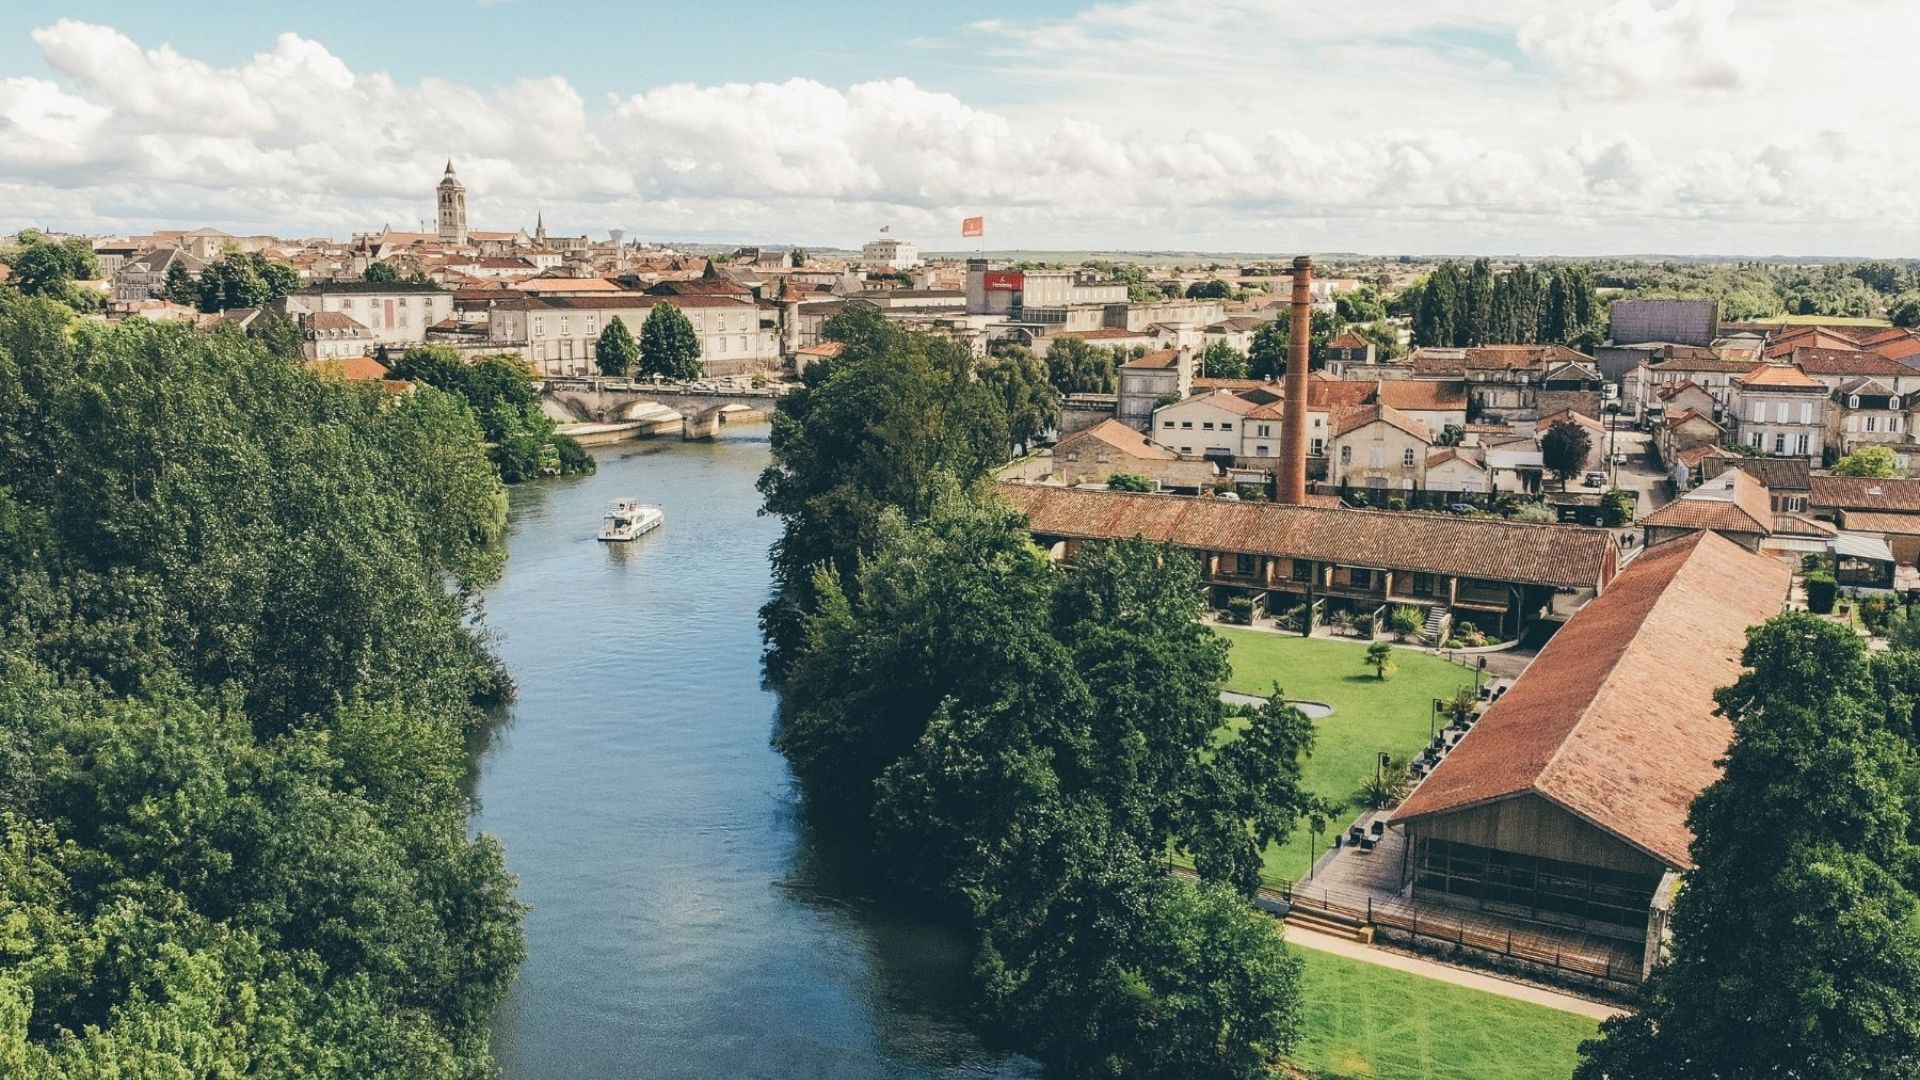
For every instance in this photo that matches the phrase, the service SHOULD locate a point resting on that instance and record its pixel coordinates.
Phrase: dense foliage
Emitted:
(1220, 360)
(1022, 746)
(1027, 396)
(1470, 306)
(1267, 353)
(1796, 942)
(1076, 367)
(1760, 290)
(1874, 462)
(1564, 448)
(869, 431)
(505, 398)
(245, 281)
(48, 268)
(236, 677)
(616, 354)
(669, 349)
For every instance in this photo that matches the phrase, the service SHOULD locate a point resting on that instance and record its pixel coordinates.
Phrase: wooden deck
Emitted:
(1363, 888)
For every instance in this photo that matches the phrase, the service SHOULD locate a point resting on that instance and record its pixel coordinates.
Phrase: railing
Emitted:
(1544, 949)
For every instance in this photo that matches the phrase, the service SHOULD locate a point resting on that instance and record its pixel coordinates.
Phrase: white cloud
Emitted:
(1230, 124)
(1627, 48)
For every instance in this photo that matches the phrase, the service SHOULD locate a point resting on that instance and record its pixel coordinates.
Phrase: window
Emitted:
(721, 344)
(1853, 401)
(1758, 439)
(1226, 425)
(1893, 423)
(590, 325)
(1264, 430)
(1406, 459)
(1806, 412)
(565, 325)
(1206, 425)
(539, 326)
(1166, 423)
(1361, 579)
(1302, 570)
(1346, 455)
(1803, 444)
(1422, 584)
(1186, 425)
(1779, 444)
(1073, 455)
(1245, 565)
(1759, 412)
(1261, 451)
(1780, 412)
(1873, 423)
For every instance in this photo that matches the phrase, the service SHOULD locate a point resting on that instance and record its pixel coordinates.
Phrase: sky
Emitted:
(1527, 127)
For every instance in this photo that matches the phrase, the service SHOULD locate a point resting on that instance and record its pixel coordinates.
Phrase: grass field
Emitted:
(1369, 715)
(1363, 1020)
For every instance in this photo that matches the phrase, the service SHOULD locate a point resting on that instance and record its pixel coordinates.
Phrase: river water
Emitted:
(684, 922)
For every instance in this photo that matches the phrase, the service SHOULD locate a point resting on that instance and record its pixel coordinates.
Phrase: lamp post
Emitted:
(1479, 674)
(1433, 714)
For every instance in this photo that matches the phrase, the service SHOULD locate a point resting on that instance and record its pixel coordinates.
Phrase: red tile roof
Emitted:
(1564, 556)
(1121, 438)
(1860, 493)
(1731, 502)
(1846, 362)
(1368, 414)
(1886, 523)
(1778, 377)
(1615, 721)
(1165, 358)
(1433, 395)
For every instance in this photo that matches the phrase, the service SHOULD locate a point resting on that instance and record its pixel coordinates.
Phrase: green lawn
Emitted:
(1363, 1020)
(1369, 715)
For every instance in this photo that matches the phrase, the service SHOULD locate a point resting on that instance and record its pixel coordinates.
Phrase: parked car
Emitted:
(1620, 459)
(1595, 480)
(1462, 508)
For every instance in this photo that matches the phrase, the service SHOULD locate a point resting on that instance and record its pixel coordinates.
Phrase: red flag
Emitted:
(973, 226)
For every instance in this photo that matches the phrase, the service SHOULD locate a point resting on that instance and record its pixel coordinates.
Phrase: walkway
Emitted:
(1472, 980)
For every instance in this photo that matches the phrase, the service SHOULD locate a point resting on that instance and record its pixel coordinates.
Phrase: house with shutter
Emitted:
(1780, 410)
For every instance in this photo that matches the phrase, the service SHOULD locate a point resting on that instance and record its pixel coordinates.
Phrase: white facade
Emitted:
(559, 336)
(888, 252)
(394, 313)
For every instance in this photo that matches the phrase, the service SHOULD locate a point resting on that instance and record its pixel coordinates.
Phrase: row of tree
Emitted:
(240, 280)
(1019, 746)
(667, 347)
(238, 672)
(1469, 306)
(521, 439)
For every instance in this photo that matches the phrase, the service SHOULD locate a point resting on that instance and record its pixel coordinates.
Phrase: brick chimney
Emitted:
(1292, 481)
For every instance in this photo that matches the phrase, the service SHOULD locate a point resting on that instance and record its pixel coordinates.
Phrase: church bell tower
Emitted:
(453, 208)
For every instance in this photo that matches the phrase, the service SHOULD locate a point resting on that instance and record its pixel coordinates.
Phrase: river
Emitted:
(684, 924)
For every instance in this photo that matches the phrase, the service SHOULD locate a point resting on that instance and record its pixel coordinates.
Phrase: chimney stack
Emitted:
(1292, 483)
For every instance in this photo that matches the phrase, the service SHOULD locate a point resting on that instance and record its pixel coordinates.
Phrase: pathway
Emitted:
(1430, 969)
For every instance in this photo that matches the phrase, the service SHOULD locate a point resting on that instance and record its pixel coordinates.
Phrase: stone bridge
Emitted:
(703, 408)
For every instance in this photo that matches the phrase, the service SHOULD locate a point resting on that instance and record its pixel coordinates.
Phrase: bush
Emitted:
(1129, 482)
(1876, 611)
(1388, 788)
(1396, 504)
(1616, 508)
(573, 457)
(1407, 620)
(1240, 609)
(1363, 626)
(1821, 591)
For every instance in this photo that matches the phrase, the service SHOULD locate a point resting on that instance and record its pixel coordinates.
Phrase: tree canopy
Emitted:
(48, 268)
(1220, 360)
(1877, 462)
(245, 281)
(1564, 448)
(1463, 307)
(505, 400)
(616, 354)
(1796, 950)
(1027, 397)
(1076, 367)
(669, 349)
(237, 675)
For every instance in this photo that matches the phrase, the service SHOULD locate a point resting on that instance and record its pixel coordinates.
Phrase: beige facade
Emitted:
(394, 313)
(559, 335)
(1379, 454)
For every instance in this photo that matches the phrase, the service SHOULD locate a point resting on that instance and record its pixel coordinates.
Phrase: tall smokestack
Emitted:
(1293, 425)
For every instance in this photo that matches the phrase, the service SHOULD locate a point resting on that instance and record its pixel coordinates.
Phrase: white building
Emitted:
(890, 253)
(558, 335)
(394, 312)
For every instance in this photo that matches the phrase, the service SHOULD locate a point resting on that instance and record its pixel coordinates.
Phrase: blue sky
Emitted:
(1460, 126)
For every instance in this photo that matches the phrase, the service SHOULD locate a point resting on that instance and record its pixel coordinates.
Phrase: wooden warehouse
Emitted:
(1567, 803)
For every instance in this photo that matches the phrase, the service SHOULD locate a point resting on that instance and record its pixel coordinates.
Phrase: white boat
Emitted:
(630, 519)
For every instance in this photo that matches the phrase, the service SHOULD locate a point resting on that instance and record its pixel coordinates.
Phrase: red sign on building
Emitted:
(1005, 280)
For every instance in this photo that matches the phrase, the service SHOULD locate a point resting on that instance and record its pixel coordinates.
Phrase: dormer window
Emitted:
(1853, 402)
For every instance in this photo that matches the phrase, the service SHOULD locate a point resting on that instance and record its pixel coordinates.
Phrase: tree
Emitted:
(279, 335)
(181, 286)
(801, 257)
(1877, 462)
(380, 272)
(1220, 360)
(1130, 482)
(234, 701)
(1904, 310)
(1021, 382)
(1564, 448)
(505, 397)
(1075, 367)
(1210, 289)
(245, 281)
(1359, 306)
(1795, 949)
(616, 353)
(1267, 355)
(1380, 658)
(669, 349)
(42, 267)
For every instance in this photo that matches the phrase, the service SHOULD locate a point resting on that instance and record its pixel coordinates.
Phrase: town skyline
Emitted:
(1700, 127)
